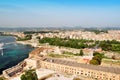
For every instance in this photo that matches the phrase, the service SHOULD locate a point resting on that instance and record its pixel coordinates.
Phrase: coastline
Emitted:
(18, 42)
(23, 43)
(27, 43)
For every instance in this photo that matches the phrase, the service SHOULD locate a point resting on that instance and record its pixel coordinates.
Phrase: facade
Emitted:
(72, 67)
(85, 70)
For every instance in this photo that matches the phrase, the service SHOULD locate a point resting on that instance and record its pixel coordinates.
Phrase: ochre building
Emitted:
(86, 70)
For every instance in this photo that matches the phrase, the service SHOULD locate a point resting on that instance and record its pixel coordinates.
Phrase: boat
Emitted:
(1, 45)
(1, 48)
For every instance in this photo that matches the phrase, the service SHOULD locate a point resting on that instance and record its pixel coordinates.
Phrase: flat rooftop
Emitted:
(81, 65)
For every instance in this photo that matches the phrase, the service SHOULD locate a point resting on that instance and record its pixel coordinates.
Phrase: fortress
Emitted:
(36, 61)
(86, 70)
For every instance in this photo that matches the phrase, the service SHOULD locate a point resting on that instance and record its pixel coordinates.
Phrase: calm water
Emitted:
(13, 53)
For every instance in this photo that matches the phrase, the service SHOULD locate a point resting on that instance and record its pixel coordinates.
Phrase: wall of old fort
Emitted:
(100, 75)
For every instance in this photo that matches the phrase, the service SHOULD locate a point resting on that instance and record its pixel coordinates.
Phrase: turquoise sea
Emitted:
(13, 53)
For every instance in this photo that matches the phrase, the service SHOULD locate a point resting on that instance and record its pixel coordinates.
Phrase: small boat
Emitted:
(1, 48)
(1, 45)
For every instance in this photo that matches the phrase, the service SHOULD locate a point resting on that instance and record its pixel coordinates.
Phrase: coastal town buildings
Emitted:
(110, 35)
(75, 34)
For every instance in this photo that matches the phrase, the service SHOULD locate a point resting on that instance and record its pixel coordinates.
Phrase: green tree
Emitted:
(29, 75)
(1, 79)
(94, 62)
(98, 58)
(96, 53)
(81, 52)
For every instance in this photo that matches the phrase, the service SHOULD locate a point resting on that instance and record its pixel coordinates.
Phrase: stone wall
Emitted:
(90, 73)
(14, 70)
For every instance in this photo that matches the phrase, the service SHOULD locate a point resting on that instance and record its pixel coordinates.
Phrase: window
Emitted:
(85, 74)
(81, 73)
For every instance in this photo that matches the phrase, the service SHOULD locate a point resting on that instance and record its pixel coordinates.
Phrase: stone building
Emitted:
(10, 72)
(85, 70)
(72, 67)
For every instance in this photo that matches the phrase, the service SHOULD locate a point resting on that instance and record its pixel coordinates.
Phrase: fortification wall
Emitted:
(96, 74)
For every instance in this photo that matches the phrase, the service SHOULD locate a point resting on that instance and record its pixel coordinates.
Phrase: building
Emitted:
(86, 70)
(72, 67)
(10, 72)
(37, 61)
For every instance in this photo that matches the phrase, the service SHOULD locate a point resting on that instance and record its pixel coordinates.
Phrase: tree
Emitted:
(1, 79)
(94, 62)
(28, 37)
(96, 53)
(23, 77)
(81, 52)
(98, 58)
(29, 75)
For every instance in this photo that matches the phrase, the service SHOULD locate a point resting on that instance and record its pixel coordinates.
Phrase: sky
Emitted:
(59, 13)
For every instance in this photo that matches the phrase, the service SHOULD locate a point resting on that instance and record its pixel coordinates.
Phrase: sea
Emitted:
(12, 53)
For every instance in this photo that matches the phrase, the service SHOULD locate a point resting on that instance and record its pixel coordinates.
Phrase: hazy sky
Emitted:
(57, 13)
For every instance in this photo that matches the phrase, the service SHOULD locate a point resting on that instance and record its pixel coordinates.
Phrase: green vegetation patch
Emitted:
(97, 59)
(98, 31)
(33, 32)
(66, 54)
(59, 55)
(111, 61)
(110, 45)
(27, 37)
(73, 43)
(82, 43)
(29, 75)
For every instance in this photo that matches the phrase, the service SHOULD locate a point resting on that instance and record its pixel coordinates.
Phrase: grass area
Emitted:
(59, 55)
(118, 52)
(64, 55)
(71, 54)
(111, 61)
(68, 54)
